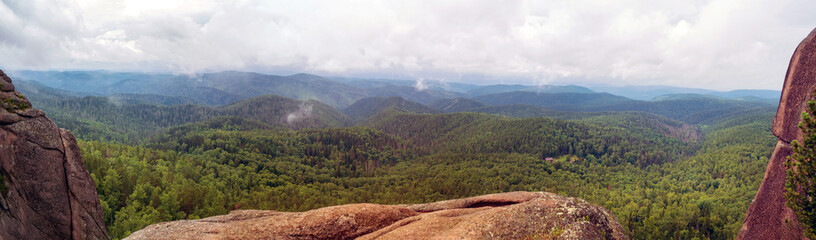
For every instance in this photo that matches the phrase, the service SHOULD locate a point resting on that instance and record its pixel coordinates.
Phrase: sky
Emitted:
(718, 44)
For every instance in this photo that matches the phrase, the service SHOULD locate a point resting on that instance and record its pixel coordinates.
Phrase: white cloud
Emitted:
(722, 44)
(420, 84)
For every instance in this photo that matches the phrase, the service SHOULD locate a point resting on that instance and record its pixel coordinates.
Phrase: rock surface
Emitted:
(768, 217)
(45, 191)
(514, 215)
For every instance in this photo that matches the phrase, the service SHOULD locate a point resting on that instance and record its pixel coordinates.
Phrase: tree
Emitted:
(800, 185)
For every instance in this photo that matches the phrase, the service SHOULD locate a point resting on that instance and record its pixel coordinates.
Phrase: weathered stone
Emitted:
(4, 77)
(515, 215)
(41, 131)
(7, 118)
(768, 217)
(47, 196)
(30, 113)
(48, 193)
(6, 87)
(86, 217)
(800, 81)
(339, 222)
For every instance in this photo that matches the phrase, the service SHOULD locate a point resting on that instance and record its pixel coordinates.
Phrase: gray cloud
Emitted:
(721, 44)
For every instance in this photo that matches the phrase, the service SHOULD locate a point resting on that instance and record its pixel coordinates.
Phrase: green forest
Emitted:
(668, 169)
(658, 186)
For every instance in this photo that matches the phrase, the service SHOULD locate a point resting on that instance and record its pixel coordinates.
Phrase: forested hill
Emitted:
(456, 104)
(106, 118)
(135, 116)
(636, 164)
(132, 98)
(210, 88)
(367, 107)
(691, 109)
(676, 167)
(654, 140)
(227, 87)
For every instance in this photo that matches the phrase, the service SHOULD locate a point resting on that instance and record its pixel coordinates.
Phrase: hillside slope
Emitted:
(367, 107)
(689, 108)
(456, 105)
(544, 137)
(97, 117)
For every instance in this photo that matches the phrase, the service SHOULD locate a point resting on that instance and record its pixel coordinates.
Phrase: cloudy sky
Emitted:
(719, 44)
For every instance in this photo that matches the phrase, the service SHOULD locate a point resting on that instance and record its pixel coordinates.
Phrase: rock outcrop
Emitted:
(768, 217)
(45, 191)
(514, 215)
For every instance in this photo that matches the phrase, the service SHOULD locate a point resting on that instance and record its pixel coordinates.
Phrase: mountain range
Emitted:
(165, 147)
(96, 102)
(222, 88)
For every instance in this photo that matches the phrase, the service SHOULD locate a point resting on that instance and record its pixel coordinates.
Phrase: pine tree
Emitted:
(800, 185)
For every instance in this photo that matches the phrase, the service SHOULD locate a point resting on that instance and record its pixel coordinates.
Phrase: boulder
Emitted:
(800, 82)
(768, 217)
(45, 191)
(514, 215)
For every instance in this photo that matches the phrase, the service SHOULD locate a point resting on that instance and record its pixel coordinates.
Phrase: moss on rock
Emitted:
(15, 102)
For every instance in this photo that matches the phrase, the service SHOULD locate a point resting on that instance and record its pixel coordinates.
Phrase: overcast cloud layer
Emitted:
(720, 44)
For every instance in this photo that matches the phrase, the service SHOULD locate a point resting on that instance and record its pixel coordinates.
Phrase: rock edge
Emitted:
(513, 215)
(45, 190)
(768, 217)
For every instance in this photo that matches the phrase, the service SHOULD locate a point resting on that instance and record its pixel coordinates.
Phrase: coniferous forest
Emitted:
(678, 167)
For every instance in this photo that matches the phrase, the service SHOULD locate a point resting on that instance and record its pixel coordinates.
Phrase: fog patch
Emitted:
(543, 84)
(420, 84)
(304, 111)
(117, 101)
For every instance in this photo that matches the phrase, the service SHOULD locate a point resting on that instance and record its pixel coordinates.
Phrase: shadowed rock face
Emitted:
(768, 217)
(514, 215)
(45, 191)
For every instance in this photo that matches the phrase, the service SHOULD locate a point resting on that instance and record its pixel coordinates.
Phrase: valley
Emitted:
(161, 147)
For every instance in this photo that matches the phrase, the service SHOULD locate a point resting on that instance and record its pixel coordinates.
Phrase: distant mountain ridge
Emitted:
(220, 88)
(501, 88)
(74, 110)
(558, 101)
(649, 92)
(224, 87)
